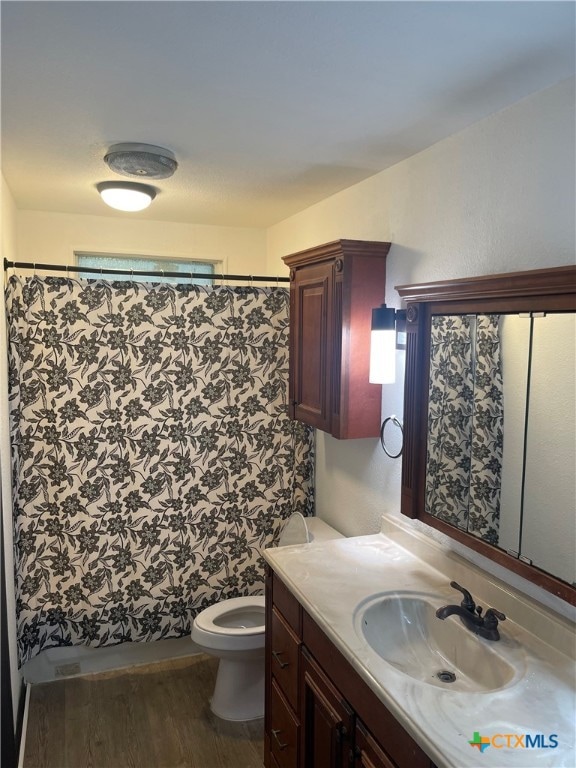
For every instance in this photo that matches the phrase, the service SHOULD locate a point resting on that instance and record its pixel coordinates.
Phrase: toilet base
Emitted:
(239, 690)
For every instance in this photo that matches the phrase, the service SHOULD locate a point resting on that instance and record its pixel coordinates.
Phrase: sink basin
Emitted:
(405, 632)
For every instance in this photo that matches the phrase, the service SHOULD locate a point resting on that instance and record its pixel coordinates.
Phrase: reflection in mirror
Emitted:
(501, 426)
(465, 424)
(550, 541)
(515, 332)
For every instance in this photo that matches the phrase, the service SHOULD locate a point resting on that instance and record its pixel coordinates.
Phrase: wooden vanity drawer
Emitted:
(285, 657)
(284, 730)
(287, 604)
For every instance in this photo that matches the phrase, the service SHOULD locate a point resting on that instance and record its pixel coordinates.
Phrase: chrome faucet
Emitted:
(471, 615)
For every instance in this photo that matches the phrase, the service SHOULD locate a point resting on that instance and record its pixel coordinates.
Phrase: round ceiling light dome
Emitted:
(126, 195)
(143, 161)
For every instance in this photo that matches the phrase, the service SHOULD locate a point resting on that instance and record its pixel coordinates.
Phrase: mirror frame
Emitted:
(539, 290)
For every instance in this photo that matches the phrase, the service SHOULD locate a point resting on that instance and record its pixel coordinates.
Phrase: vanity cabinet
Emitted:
(333, 289)
(319, 712)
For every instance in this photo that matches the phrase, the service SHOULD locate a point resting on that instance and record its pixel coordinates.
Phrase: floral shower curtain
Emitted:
(465, 424)
(152, 455)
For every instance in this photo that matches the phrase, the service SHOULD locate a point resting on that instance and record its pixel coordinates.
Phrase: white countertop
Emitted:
(331, 578)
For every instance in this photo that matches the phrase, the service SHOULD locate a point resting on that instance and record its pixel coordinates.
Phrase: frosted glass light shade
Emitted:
(126, 196)
(383, 356)
(383, 346)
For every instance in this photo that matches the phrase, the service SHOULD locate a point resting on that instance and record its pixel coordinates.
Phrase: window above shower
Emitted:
(138, 263)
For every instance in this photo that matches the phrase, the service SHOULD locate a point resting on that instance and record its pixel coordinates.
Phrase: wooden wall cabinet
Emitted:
(333, 290)
(319, 712)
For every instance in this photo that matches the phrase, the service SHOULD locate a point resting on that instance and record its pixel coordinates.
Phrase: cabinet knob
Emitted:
(277, 655)
(281, 745)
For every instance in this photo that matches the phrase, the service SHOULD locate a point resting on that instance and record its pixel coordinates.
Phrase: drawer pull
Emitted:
(280, 744)
(277, 655)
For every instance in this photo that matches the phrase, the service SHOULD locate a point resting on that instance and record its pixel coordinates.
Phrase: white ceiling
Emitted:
(268, 106)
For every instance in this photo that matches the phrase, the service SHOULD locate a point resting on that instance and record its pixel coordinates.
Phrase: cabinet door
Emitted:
(310, 345)
(367, 753)
(326, 720)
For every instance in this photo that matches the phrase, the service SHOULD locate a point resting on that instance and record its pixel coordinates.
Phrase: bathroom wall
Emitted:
(496, 197)
(52, 238)
(8, 251)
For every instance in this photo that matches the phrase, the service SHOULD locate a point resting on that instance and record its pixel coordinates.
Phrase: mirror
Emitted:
(490, 425)
(501, 397)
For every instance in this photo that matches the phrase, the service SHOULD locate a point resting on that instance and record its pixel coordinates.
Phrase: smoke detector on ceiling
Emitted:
(141, 161)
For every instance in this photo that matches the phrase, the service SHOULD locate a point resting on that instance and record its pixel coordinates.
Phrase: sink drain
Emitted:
(446, 676)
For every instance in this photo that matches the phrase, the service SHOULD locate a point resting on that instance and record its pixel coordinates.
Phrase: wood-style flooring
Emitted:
(153, 716)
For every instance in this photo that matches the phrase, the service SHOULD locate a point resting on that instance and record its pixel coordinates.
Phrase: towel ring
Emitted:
(395, 421)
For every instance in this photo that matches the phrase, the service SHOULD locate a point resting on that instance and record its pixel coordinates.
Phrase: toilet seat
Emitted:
(238, 616)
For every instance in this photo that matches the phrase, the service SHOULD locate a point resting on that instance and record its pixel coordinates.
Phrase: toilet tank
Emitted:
(305, 530)
(318, 530)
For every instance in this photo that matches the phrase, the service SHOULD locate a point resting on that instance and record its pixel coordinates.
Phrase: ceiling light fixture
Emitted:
(126, 195)
(143, 161)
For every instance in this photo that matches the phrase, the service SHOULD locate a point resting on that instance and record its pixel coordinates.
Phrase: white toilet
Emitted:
(233, 630)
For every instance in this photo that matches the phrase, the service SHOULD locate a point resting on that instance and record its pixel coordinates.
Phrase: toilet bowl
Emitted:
(233, 631)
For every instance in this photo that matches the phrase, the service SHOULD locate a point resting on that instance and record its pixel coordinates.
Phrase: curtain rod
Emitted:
(137, 272)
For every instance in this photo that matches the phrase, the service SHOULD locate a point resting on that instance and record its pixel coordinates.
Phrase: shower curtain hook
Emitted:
(34, 271)
(251, 281)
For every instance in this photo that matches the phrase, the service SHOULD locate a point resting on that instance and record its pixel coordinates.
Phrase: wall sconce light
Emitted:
(387, 324)
(126, 195)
